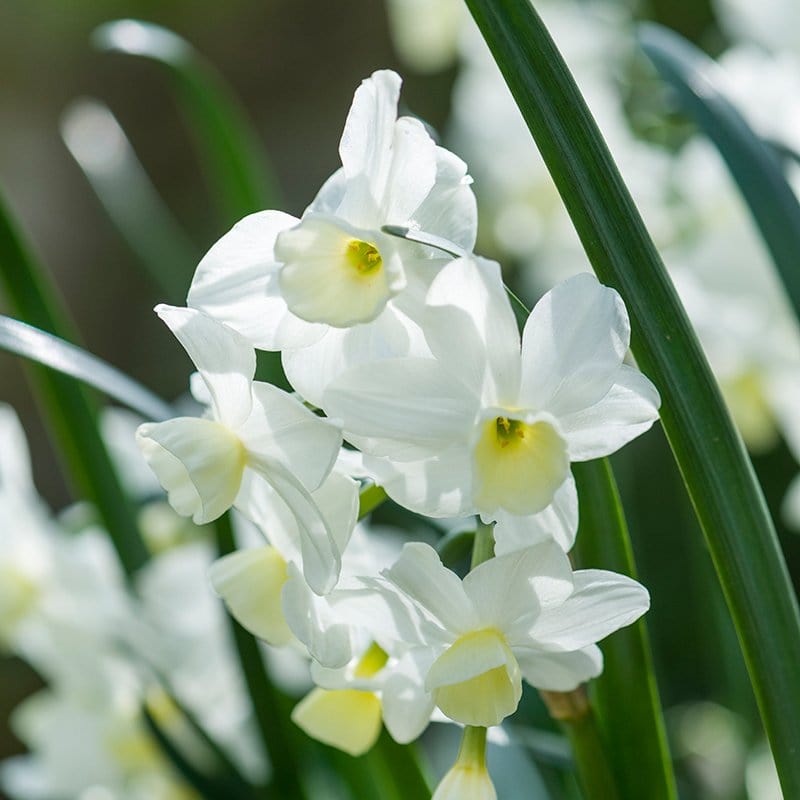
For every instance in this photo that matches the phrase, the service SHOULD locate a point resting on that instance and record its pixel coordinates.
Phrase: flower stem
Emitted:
(573, 711)
(483, 546)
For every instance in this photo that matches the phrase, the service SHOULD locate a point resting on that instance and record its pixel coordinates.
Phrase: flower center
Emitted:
(518, 465)
(477, 680)
(363, 257)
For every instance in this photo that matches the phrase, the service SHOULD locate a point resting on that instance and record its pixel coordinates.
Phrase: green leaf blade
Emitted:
(625, 694)
(238, 172)
(72, 411)
(707, 448)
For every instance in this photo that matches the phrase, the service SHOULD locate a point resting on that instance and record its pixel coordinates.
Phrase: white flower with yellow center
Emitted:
(255, 439)
(520, 615)
(491, 423)
(332, 289)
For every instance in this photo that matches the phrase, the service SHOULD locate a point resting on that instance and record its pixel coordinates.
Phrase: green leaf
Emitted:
(102, 150)
(71, 410)
(68, 359)
(626, 694)
(753, 163)
(229, 149)
(369, 499)
(707, 448)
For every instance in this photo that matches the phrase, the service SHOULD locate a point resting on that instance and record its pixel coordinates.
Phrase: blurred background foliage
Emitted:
(294, 65)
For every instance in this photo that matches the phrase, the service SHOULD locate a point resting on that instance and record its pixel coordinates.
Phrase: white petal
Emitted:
(401, 402)
(420, 574)
(412, 173)
(366, 144)
(391, 335)
(198, 462)
(559, 672)
(559, 522)
(250, 582)
(282, 428)
(438, 486)
(507, 588)
(407, 707)
(337, 499)
(471, 329)
(314, 622)
(224, 359)
(450, 210)
(602, 603)
(236, 283)
(573, 345)
(321, 559)
(335, 273)
(630, 408)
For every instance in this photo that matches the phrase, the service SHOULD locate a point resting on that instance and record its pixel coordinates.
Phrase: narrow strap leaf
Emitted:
(753, 163)
(71, 410)
(709, 452)
(625, 694)
(105, 155)
(68, 359)
(240, 177)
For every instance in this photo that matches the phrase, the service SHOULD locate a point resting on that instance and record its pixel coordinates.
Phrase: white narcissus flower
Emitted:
(520, 615)
(491, 423)
(332, 289)
(256, 438)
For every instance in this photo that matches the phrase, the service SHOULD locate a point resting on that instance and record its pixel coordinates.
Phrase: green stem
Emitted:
(634, 728)
(483, 545)
(573, 711)
(719, 477)
(72, 411)
(271, 713)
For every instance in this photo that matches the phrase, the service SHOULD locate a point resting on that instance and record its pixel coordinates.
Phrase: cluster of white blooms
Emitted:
(688, 201)
(414, 359)
(66, 610)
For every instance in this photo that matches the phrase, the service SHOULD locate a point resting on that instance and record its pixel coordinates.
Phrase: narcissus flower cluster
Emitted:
(409, 373)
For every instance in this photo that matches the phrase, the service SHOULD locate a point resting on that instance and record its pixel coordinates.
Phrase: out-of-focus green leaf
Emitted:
(209, 787)
(752, 162)
(239, 176)
(634, 728)
(102, 150)
(71, 410)
(709, 452)
(68, 359)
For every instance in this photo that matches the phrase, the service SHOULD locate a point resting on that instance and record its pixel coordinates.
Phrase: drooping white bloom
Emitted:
(256, 438)
(332, 289)
(520, 615)
(491, 424)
